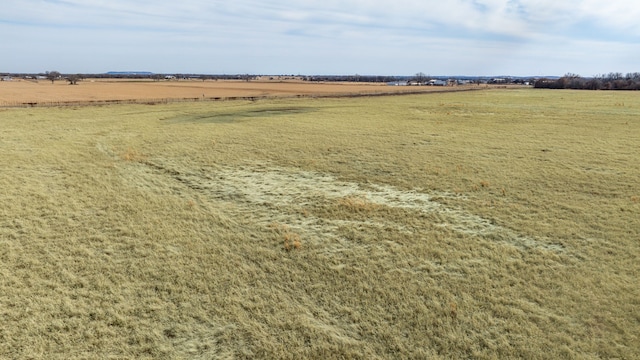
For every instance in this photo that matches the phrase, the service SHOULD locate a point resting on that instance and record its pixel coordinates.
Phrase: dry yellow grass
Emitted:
(492, 224)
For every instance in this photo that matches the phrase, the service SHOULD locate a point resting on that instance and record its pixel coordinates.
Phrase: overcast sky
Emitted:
(397, 37)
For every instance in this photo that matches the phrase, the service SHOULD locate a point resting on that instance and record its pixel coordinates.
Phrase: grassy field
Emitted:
(487, 224)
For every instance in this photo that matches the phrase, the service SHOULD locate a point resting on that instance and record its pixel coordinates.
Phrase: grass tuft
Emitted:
(290, 240)
(132, 154)
(453, 310)
(357, 204)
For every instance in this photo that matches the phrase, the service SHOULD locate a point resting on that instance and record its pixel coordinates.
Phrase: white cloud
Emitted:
(360, 33)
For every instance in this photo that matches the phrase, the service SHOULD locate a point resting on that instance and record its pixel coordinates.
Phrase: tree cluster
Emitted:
(610, 81)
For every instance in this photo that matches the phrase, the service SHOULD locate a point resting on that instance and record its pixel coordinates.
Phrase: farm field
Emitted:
(44, 93)
(493, 224)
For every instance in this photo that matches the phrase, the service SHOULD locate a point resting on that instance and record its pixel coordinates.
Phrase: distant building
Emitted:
(436, 82)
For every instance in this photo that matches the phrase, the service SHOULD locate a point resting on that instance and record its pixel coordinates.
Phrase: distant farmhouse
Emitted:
(437, 82)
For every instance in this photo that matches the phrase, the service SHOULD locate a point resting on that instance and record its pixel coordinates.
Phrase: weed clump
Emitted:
(290, 239)
(132, 154)
(357, 204)
(453, 310)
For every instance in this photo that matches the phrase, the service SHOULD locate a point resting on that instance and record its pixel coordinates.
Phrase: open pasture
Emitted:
(486, 224)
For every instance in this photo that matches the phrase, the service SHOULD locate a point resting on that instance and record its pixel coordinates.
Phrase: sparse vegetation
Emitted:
(486, 224)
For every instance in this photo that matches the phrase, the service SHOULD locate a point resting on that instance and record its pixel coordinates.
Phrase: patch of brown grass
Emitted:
(453, 310)
(132, 154)
(357, 204)
(290, 239)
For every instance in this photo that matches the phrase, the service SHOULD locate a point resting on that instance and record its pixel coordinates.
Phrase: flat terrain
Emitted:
(486, 224)
(43, 92)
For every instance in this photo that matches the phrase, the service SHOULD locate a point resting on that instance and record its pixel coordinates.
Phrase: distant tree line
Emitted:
(610, 81)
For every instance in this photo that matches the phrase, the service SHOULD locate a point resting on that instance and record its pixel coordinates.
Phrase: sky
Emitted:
(322, 37)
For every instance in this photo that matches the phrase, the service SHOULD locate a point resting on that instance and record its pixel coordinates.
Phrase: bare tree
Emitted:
(53, 75)
(421, 78)
(73, 79)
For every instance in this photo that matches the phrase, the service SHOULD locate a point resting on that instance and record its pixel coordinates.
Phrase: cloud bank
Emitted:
(474, 37)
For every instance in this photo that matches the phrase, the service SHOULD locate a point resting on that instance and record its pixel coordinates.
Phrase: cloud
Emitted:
(509, 18)
(361, 32)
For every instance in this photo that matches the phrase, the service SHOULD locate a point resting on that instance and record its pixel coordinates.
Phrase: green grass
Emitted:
(488, 224)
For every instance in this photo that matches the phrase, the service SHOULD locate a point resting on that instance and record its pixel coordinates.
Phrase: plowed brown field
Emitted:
(21, 92)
